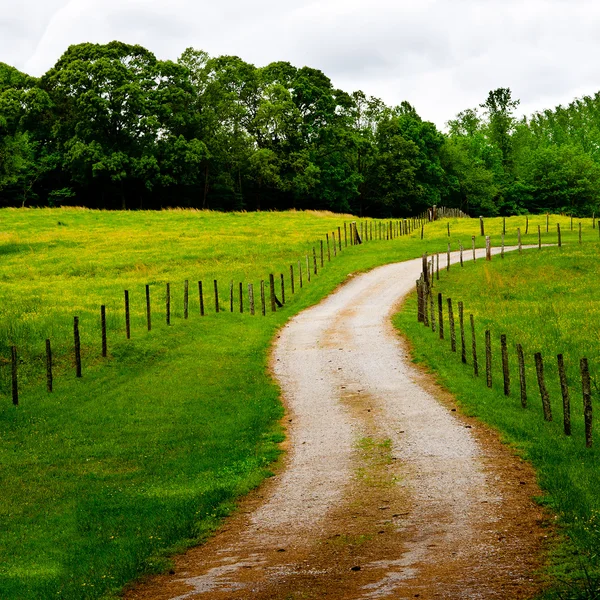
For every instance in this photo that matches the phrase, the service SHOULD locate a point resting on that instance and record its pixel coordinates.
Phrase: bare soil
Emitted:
(387, 491)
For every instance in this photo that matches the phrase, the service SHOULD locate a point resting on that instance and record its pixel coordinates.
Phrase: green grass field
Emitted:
(548, 301)
(144, 455)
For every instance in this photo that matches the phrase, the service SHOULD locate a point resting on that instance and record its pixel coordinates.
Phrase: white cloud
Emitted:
(441, 55)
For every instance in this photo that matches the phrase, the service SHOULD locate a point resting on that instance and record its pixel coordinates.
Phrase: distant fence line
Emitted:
(240, 298)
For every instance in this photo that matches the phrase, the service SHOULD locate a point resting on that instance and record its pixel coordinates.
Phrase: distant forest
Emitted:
(111, 126)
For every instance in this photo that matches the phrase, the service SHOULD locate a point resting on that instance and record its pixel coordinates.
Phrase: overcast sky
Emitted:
(441, 55)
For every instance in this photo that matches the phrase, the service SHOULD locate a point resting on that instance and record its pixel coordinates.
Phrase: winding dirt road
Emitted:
(386, 491)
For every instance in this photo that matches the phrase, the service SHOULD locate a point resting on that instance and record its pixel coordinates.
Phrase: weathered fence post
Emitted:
(127, 319)
(452, 328)
(186, 298)
(488, 358)
(103, 327)
(262, 298)
(558, 232)
(328, 249)
(242, 297)
(216, 296)
(526, 224)
(564, 390)
(201, 298)
(77, 346)
(448, 258)
(587, 401)
(461, 256)
(580, 233)
(539, 237)
(272, 288)
(300, 273)
(340, 237)
(168, 303)
(292, 283)
(231, 296)
(148, 310)
(502, 251)
(315, 260)
(539, 368)
(481, 227)
(461, 322)
(488, 248)
(473, 244)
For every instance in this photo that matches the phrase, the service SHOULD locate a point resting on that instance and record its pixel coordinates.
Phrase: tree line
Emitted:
(111, 126)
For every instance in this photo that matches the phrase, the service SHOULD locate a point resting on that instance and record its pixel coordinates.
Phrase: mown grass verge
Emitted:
(548, 301)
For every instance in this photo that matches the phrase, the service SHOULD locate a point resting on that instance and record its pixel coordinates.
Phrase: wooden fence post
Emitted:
(340, 238)
(441, 316)
(272, 288)
(519, 240)
(292, 283)
(77, 346)
(473, 244)
(461, 322)
(461, 256)
(300, 273)
(231, 296)
(315, 260)
(452, 328)
(580, 233)
(282, 290)
(127, 318)
(488, 248)
(328, 249)
(14, 375)
(201, 298)
(242, 297)
(539, 237)
(564, 390)
(431, 310)
(547, 222)
(148, 310)
(526, 224)
(334, 244)
(505, 372)
(481, 227)
(448, 258)
(522, 379)
(488, 358)
(49, 378)
(558, 232)
(425, 296)
(539, 368)
(587, 400)
(474, 346)
(186, 298)
(103, 327)
(448, 224)
(502, 251)
(168, 303)
(503, 225)
(262, 298)
(216, 296)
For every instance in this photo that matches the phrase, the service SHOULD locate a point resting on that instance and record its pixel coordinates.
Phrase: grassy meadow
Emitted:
(144, 455)
(548, 301)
